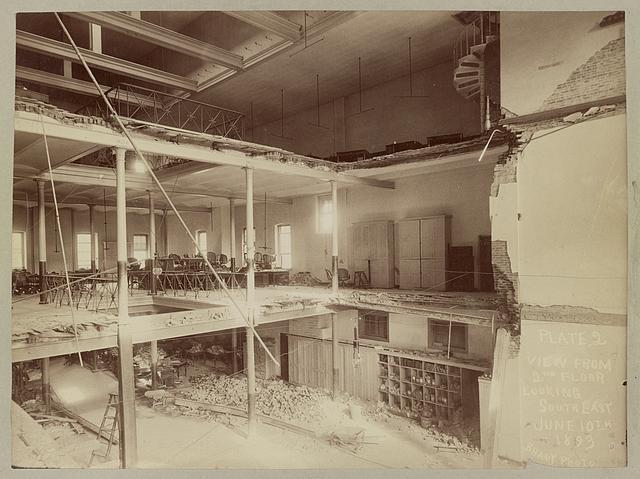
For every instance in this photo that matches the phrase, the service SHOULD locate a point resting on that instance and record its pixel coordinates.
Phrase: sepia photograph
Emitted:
(318, 239)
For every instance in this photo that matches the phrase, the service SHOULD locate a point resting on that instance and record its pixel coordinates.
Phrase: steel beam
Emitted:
(54, 48)
(269, 22)
(57, 81)
(163, 37)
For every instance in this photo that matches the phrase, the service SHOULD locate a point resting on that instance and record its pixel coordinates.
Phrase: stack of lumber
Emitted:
(275, 398)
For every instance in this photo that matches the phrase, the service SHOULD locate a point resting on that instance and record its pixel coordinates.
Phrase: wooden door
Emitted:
(409, 239)
(409, 254)
(432, 238)
(409, 273)
(433, 274)
(373, 252)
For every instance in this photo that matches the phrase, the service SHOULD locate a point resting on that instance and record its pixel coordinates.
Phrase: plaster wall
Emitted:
(540, 50)
(408, 331)
(77, 221)
(462, 193)
(572, 197)
(385, 115)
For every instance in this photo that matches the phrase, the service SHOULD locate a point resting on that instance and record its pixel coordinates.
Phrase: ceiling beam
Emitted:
(183, 169)
(269, 22)
(163, 37)
(106, 178)
(74, 85)
(30, 122)
(54, 48)
(140, 205)
(57, 81)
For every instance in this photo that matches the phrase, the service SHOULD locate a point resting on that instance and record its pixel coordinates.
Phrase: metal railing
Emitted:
(145, 105)
(477, 32)
(100, 293)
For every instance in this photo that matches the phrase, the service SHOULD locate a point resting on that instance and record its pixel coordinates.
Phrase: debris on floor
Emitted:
(275, 398)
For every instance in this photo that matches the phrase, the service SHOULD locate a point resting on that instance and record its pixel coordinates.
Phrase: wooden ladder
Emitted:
(109, 423)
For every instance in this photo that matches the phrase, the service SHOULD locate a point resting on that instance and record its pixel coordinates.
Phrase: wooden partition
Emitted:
(310, 364)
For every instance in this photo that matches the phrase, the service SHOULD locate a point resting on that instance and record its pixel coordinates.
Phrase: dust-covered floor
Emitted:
(173, 436)
(177, 441)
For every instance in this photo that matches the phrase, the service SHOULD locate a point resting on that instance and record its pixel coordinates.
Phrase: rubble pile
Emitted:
(275, 398)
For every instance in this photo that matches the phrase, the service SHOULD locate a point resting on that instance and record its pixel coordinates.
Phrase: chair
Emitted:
(222, 259)
(268, 260)
(258, 260)
(134, 265)
(343, 276)
(211, 256)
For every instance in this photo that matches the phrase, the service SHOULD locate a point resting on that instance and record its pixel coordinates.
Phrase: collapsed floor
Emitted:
(299, 427)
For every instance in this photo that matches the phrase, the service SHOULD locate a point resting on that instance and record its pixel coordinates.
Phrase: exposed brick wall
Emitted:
(506, 169)
(506, 283)
(601, 76)
(503, 173)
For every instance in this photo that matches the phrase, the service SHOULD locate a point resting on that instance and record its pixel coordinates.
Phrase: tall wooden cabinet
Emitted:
(423, 248)
(373, 252)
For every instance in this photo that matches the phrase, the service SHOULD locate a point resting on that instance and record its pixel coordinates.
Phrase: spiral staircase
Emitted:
(468, 53)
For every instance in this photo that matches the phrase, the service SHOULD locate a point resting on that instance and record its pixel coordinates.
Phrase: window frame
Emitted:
(23, 250)
(431, 334)
(77, 256)
(321, 227)
(279, 255)
(133, 246)
(204, 250)
(364, 318)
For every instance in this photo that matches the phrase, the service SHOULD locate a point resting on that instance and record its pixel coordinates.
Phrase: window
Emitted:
(373, 325)
(18, 249)
(83, 249)
(140, 248)
(283, 246)
(324, 214)
(439, 335)
(201, 238)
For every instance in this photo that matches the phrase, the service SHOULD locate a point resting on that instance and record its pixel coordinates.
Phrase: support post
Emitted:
(334, 237)
(251, 364)
(154, 364)
(126, 391)
(152, 244)
(232, 233)
(42, 242)
(92, 234)
(46, 389)
(334, 354)
(234, 348)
